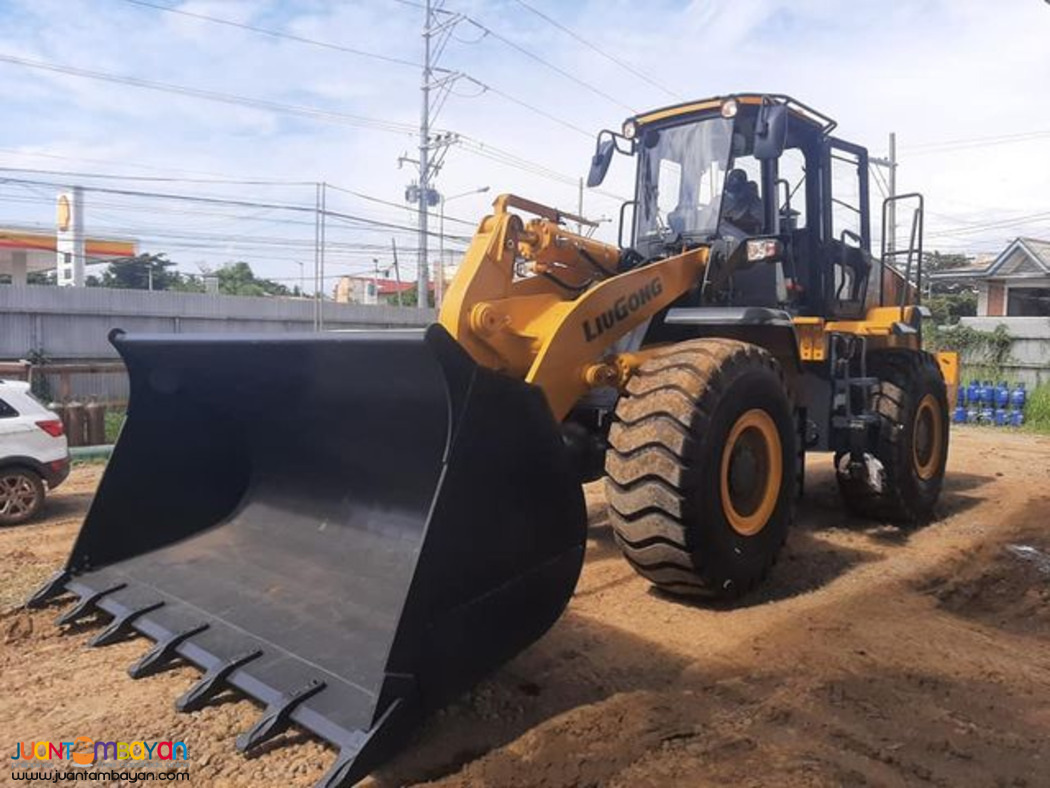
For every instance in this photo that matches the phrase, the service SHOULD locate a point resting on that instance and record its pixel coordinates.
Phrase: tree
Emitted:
(940, 261)
(949, 300)
(142, 272)
(239, 279)
(947, 308)
(33, 278)
(410, 297)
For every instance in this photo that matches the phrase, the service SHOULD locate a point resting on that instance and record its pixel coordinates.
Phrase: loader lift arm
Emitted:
(554, 326)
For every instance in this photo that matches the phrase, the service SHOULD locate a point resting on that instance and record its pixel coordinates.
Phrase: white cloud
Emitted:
(932, 71)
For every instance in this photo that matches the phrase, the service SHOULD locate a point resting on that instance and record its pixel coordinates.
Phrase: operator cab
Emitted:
(758, 178)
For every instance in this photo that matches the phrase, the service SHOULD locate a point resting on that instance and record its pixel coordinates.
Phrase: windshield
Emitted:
(681, 172)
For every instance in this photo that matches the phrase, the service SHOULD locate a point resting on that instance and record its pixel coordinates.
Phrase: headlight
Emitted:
(729, 108)
(761, 249)
(630, 128)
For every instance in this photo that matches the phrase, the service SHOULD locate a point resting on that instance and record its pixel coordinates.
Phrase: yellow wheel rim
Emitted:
(752, 472)
(927, 438)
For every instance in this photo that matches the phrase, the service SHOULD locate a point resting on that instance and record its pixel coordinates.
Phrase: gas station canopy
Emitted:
(24, 250)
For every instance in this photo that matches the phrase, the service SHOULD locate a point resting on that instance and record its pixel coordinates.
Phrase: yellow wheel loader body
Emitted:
(352, 527)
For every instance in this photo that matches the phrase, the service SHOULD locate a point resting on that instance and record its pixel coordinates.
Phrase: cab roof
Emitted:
(797, 109)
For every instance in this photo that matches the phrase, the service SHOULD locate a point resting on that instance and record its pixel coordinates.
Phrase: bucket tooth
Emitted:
(163, 651)
(213, 682)
(277, 716)
(121, 626)
(367, 749)
(86, 605)
(53, 587)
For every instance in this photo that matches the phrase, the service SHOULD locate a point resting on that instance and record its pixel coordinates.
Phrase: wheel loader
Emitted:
(352, 528)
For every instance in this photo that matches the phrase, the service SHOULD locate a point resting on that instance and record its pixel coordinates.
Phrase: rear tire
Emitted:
(21, 495)
(912, 446)
(701, 468)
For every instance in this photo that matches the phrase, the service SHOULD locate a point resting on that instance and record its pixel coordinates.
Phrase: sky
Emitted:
(962, 83)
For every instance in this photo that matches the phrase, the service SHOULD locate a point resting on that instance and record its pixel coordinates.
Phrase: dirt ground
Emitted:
(872, 656)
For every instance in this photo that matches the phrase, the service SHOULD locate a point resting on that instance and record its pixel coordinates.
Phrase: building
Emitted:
(370, 290)
(1015, 283)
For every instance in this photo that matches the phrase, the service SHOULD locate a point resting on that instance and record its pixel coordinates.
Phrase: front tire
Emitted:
(21, 495)
(912, 445)
(701, 469)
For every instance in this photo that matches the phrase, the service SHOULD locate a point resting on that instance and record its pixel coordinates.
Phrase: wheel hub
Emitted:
(16, 495)
(748, 469)
(752, 472)
(927, 438)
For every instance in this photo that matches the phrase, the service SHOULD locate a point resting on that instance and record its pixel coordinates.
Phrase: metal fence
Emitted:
(69, 326)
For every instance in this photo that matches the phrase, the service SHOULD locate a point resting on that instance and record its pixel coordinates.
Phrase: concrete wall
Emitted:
(1031, 347)
(71, 324)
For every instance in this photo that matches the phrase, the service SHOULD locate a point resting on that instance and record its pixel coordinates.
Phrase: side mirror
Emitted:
(600, 162)
(770, 131)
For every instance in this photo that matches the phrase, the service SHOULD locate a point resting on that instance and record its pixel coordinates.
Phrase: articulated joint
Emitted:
(486, 320)
(602, 374)
(613, 371)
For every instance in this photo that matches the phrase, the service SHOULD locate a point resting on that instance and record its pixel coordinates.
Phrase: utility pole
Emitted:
(324, 216)
(397, 270)
(579, 209)
(439, 280)
(439, 285)
(422, 282)
(890, 163)
(432, 148)
(891, 209)
(317, 252)
(302, 278)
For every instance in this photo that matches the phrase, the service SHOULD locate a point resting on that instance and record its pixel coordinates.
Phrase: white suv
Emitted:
(33, 452)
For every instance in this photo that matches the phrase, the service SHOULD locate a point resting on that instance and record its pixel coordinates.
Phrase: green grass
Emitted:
(114, 418)
(89, 462)
(1037, 412)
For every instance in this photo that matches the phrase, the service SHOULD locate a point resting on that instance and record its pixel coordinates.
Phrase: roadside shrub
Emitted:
(1037, 413)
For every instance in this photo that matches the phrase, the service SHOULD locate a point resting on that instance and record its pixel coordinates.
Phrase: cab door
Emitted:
(847, 264)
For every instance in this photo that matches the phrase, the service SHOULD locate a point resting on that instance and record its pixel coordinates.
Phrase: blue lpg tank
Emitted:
(1018, 397)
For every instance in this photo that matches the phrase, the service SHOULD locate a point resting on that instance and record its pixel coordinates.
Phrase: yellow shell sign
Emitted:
(65, 213)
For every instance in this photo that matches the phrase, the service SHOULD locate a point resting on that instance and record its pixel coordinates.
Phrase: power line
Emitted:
(515, 100)
(103, 162)
(229, 201)
(350, 50)
(484, 86)
(405, 206)
(275, 33)
(210, 95)
(595, 48)
(975, 142)
(496, 154)
(157, 178)
(218, 181)
(986, 226)
(421, 6)
(546, 63)
(429, 68)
